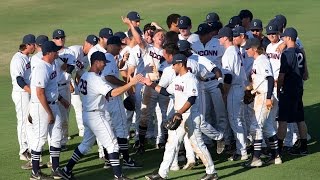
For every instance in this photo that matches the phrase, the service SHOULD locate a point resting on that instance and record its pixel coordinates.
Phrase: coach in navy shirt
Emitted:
(290, 91)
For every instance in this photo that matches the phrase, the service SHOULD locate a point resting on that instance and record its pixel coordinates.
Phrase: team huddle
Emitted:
(230, 86)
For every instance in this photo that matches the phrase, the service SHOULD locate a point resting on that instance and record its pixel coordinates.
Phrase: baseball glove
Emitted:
(129, 103)
(248, 97)
(174, 123)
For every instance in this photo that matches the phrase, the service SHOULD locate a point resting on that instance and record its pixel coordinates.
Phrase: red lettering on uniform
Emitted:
(179, 88)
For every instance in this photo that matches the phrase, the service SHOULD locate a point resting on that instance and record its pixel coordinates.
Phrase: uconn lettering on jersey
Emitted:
(28, 66)
(154, 55)
(179, 88)
(273, 55)
(53, 75)
(208, 53)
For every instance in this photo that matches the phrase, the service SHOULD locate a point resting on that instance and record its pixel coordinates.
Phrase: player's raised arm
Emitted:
(142, 44)
(155, 86)
(120, 90)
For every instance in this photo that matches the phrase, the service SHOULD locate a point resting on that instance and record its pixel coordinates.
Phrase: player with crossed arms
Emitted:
(94, 90)
(185, 90)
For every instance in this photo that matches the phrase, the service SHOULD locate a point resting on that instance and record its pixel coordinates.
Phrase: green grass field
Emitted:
(80, 18)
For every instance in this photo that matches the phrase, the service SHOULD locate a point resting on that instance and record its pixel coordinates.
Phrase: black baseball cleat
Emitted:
(39, 175)
(130, 164)
(56, 175)
(64, 174)
(107, 164)
(298, 151)
(213, 176)
(122, 177)
(154, 177)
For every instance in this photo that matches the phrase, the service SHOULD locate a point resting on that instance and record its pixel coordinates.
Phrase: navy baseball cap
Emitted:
(92, 39)
(99, 56)
(183, 45)
(179, 58)
(245, 13)
(41, 39)
(58, 33)
(252, 42)
(234, 22)
(137, 29)
(237, 31)
(290, 32)
(105, 33)
(50, 46)
(184, 22)
(212, 17)
(256, 24)
(203, 29)
(225, 32)
(272, 28)
(29, 39)
(121, 35)
(282, 20)
(114, 40)
(216, 26)
(134, 16)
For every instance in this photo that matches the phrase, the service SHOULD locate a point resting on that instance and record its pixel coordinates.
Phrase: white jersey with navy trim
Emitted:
(260, 70)
(82, 62)
(68, 54)
(93, 88)
(274, 57)
(44, 75)
(232, 64)
(213, 51)
(20, 66)
(151, 58)
(35, 59)
(111, 68)
(182, 88)
(95, 48)
(247, 62)
(136, 60)
(194, 40)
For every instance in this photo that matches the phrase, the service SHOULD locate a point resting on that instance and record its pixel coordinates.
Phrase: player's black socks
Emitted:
(123, 145)
(304, 144)
(280, 146)
(273, 141)
(76, 156)
(106, 156)
(54, 155)
(115, 163)
(142, 134)
(257, 145)
(35, 156)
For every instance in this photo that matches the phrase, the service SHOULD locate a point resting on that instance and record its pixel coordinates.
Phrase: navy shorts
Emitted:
(291, 108)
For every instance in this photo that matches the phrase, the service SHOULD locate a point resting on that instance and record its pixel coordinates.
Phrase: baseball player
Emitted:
(94, 91)
(44, 110)
(114, 106)
(184, 25)
(239, 39)
(65, 64)
(172, 22)
(212, 50)
(185, 90)
(290, 91)
(246, 17)
(134, 17)
(82, 63)
(20, 70)
(212, 17)
(234, 22)
(256, 29)
(262, 86)
(234, 77)
(152, 55)
(104, 34)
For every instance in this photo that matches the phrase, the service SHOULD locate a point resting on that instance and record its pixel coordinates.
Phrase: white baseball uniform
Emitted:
(231, 64)
(95, 48)
(93, 89)
(194, 40)
(20, 66)
(64, 80)
(44, 75)
(261, 126)
(182, 88)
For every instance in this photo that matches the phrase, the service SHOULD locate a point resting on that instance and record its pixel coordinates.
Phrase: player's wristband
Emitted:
(153, 85)
(220, 80)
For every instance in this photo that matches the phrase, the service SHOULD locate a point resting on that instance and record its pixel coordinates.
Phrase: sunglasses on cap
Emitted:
(57, 38)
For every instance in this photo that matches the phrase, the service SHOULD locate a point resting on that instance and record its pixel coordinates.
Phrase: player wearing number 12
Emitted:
(94, 89)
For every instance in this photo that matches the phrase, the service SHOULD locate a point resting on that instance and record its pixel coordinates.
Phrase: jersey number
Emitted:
(300, 60)
(83, 87)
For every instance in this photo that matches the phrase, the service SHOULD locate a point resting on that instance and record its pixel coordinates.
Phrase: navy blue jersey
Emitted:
(293, 66)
